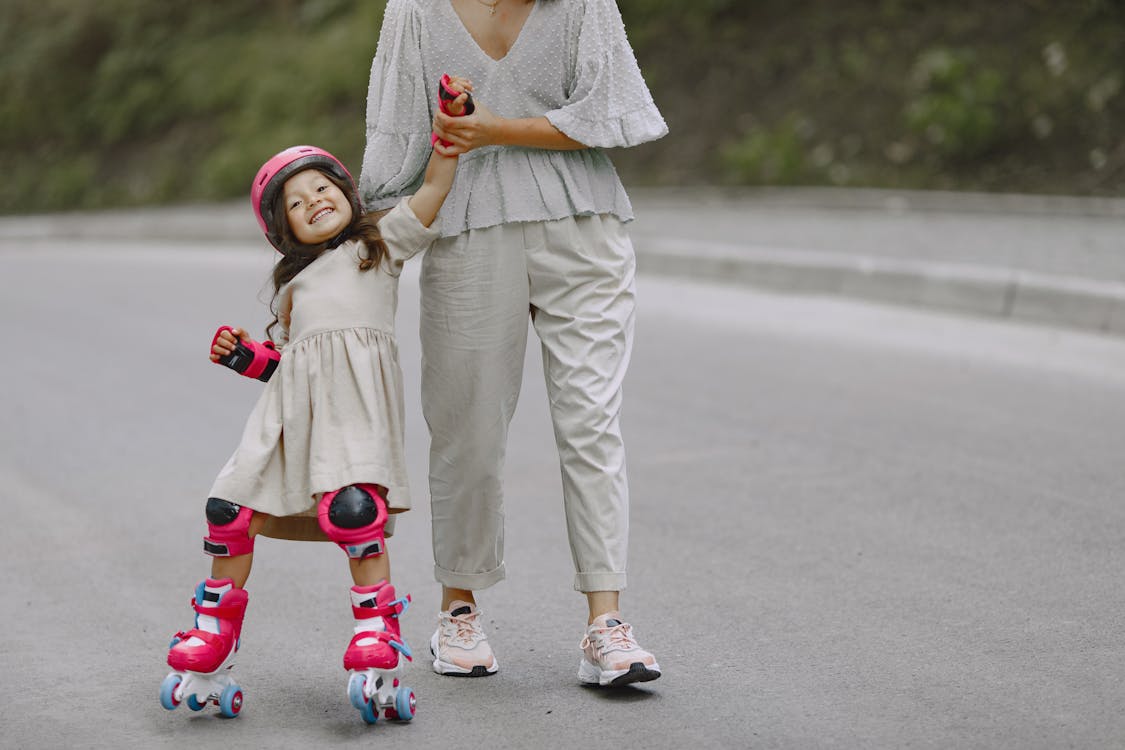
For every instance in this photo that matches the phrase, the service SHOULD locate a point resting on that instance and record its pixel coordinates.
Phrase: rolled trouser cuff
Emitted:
(469, 581)
(586, 582)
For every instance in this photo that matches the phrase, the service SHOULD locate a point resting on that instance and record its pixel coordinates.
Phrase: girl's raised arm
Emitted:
(435, 185)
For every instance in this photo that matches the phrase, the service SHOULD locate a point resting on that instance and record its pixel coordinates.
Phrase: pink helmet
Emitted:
(279, 168)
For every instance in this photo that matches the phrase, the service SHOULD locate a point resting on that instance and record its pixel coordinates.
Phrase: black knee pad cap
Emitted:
(221, 512)
(353, 508)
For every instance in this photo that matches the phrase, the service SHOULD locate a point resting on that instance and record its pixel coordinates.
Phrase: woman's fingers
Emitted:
(448, 129)
(458, 83)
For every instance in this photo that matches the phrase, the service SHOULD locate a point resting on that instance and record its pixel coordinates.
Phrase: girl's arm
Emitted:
(435, 185)
(485, 128)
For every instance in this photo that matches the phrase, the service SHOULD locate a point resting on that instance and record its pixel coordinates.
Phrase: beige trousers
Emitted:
(576, 276)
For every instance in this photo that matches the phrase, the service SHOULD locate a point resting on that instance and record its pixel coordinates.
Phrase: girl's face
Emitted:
(317, 210)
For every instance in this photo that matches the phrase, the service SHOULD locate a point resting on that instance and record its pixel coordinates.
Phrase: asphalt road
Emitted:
(853, 526)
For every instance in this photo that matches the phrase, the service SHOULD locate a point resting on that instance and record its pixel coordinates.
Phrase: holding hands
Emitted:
(454, 96)
(462, 124)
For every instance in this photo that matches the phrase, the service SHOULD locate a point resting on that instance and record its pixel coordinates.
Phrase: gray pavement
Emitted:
(908, 524)
(852, 525)
(1044, 259)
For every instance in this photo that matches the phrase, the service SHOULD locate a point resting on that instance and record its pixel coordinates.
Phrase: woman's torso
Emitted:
(534, 77)
(503, 184)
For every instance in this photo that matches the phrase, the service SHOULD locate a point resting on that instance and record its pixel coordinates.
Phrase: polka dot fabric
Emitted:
(571, 63)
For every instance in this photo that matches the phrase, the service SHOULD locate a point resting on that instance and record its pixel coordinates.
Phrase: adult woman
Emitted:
(534, 222)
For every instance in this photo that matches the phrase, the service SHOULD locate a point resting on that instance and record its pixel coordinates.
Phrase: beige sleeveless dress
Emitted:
(332, 414)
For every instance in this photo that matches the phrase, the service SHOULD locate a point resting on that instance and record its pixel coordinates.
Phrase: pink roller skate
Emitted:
(203, 657)
(374, 656)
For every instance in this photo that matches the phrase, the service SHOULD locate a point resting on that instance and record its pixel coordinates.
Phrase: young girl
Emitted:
(322, 452)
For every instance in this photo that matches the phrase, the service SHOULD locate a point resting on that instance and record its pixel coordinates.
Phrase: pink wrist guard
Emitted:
(250, 358)
(447, 95)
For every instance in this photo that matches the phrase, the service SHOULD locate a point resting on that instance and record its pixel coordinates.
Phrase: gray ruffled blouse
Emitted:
(571, 63)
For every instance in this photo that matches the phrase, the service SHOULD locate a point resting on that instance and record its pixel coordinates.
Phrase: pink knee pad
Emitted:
(354, 517)
(228, 529)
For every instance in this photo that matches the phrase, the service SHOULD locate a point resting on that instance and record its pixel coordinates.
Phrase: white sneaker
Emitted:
(459, 644)
(611, 656)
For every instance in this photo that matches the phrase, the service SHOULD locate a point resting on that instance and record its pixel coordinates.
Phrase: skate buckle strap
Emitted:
(390, 609)
(402, 648)
(218, 611)
(211, 639)
(363, 550)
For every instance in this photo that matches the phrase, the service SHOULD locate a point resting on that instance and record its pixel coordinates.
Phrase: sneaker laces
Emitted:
(464, 630)
(616, 638)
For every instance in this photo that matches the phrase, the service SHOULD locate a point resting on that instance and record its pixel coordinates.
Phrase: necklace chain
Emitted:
(491, 6)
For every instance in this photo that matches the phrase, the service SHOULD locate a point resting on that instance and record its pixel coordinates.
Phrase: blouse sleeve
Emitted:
(404, 235)
(398, 115)
(608, 103)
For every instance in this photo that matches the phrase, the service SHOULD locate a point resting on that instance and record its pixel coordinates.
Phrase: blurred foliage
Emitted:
(125, 102)
(778, 155)
(955, 103)
(1027, 95)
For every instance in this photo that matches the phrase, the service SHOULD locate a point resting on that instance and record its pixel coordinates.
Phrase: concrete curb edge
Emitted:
(1070, 302)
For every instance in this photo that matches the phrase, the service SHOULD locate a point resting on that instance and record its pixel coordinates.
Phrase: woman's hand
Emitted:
(482, 128)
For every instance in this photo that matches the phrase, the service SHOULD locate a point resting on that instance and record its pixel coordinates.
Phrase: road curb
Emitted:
(886, 200)
(183, 223)
(1002, 292)
(1071, 302)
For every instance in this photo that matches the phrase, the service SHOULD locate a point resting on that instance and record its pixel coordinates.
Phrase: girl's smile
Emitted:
(317, 210)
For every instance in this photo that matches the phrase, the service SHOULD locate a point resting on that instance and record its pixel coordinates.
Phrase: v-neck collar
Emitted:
(473, 40)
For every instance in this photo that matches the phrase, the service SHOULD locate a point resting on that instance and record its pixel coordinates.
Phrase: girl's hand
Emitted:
(482, 128)
(449, 153)
(457, 83)
(225, 342)
(463, 85)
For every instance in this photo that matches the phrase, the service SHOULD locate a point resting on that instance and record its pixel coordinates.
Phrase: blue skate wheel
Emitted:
(356, 683)
(366, 706)
(195, 704)
(405, 703)
(168, 691)
(230, 702)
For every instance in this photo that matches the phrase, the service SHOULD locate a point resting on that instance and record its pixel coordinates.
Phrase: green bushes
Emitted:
(125, 102)
(954, 103)
(1020, 96)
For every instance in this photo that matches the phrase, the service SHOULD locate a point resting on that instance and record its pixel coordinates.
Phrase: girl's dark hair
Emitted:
(297, 256)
